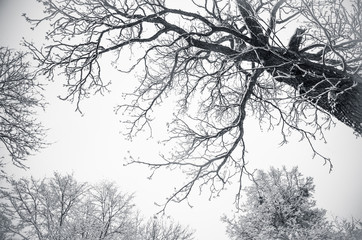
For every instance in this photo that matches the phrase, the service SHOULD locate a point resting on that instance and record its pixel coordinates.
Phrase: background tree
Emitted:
(280, 205)
(4, 225)
(347, 229)
(61, 208)
(41, 209)
(107, 213)
(221, 61)
(163, 228)
(20, 97)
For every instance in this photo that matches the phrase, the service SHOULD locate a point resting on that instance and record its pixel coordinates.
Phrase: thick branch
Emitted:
(254, 27)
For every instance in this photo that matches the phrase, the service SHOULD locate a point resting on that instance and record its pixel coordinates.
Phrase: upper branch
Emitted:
(272, 21)
(255, 29)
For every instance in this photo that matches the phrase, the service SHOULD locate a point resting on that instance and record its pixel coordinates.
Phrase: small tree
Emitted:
(280, 205)
(20, 96)
(60, 208)
(347, 230)
(106, 213)
(160, 229)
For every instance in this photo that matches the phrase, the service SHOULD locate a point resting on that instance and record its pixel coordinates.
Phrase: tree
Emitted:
(159, 229)
(4, 224)
(222, 61)
(348, 229)
(107, 213)
(280, 205)
(41, 209)
(60, 208)
(20, 96)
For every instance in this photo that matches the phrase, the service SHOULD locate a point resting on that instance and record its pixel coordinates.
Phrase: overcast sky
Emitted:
(92, 147)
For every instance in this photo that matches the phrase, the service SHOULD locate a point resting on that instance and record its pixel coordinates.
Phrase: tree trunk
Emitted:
(331, 89)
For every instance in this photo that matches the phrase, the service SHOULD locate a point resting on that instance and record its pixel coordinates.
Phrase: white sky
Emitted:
(93, 148)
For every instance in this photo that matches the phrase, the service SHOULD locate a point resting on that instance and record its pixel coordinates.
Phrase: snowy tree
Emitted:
(280, 205)
(20, 97)
(60, 208)
(223, 61)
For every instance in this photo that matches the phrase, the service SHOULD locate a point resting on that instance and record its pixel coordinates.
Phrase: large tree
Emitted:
(221, 60)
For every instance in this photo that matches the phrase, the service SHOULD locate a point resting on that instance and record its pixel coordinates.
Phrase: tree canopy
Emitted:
(60, 207)
(280, 205)
(223, 61)
(20, 96)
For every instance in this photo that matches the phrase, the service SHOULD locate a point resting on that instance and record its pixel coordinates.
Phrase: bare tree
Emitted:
(112, 213)
(222, 61)
(20, 96)
(347, 229)
(60, 208)
(4, 226)
(41, 209)
(162, 228)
